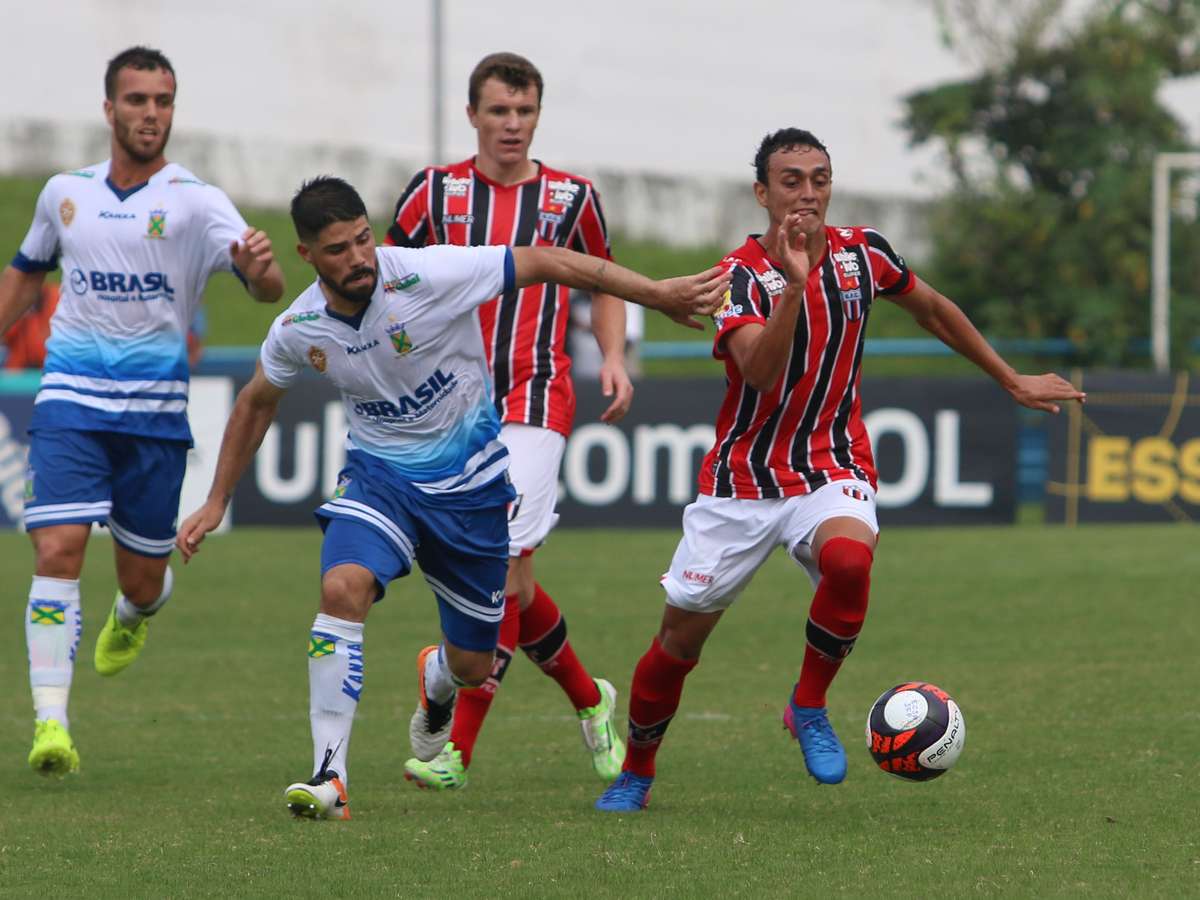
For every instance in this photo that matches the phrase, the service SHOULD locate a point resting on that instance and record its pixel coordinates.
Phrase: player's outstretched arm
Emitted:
(677, 298)
(19, 291)
(942, 318)
(252, 416)
(256, 261)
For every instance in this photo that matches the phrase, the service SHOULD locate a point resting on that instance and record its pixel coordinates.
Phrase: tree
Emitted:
(1047, 231)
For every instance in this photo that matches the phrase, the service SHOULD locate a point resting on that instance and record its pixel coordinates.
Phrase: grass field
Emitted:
(1072, 653)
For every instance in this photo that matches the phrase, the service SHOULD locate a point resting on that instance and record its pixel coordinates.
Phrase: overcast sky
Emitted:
(638, 84)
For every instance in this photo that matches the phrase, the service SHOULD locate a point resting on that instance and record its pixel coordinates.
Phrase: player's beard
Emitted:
(357, 295)
(125, 137)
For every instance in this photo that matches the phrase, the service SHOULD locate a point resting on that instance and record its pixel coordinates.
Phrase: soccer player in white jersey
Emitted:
(396, 330)
(138, 238)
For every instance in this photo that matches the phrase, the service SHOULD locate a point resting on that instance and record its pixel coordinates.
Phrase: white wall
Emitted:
(630, 84)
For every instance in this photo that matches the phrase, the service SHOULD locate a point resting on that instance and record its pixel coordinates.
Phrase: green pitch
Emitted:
(1072, 653)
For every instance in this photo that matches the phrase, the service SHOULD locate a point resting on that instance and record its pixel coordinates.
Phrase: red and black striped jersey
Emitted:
(525, 330)
(807, 430)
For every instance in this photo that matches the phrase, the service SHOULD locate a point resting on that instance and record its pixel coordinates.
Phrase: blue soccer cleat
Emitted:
(629, 793)
(823, 754)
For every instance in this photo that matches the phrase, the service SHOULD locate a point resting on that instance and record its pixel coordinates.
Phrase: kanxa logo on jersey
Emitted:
(456, 187)
(410, 407)
(120, 287)
(361, 348)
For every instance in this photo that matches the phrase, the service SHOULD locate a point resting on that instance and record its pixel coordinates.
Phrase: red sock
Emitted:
(543, 637)
(653, 699)
(835, 617)
(471, 707)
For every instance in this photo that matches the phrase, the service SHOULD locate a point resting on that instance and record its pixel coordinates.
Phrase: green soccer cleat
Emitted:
(599, 736)
(445, 772)
(53, 750)
(118, 646)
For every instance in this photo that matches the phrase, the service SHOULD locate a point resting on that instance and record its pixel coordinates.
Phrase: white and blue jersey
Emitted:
(411, 370)
(134, 263)
(426, 478)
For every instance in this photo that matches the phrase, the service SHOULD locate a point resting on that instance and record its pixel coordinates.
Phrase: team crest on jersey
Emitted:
(849, 272)
(66, 212)
(401, 284)
(157, 226)
(29, 495)
(401, 342)
(855, 493)
(316, 356)
(342, 485)
(548, 222)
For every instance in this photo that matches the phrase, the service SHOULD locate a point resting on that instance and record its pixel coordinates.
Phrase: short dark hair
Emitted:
(139, 57)
(784, 139)
(515, 71)
(321, 201)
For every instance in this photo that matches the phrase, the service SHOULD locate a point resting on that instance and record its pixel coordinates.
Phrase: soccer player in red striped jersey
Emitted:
(791, 465)
(502, 196)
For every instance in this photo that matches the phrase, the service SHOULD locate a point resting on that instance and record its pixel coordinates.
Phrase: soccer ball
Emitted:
(915, 731)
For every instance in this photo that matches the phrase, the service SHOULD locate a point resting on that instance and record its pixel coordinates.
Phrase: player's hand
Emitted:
(252, 254)
(196, 526)
(694, 295)
(615, 383)
(1040, 391)
(792, 253)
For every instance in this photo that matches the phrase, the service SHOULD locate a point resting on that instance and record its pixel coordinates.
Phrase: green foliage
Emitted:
(1049, 235)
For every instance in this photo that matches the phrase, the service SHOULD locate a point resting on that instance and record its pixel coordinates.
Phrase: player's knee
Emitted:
(846, 567)
(472, 668)
(143, 584)
(58, 552)
(347, 592)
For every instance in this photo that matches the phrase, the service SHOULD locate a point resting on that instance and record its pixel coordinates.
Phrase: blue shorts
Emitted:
(377, 521)
(128, 482)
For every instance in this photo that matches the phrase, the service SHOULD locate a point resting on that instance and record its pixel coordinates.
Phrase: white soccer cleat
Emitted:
(429, 728)
(324, 797)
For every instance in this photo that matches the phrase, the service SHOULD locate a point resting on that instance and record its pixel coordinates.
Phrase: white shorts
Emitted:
(535, 455)
(726, 540)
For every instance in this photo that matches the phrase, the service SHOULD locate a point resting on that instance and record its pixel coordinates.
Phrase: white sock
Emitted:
(53, 623)
(440, 683)
(335, 682)
(129, 615)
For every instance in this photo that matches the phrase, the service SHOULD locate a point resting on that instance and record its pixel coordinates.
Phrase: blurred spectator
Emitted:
(586, 358)
(26, 340)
